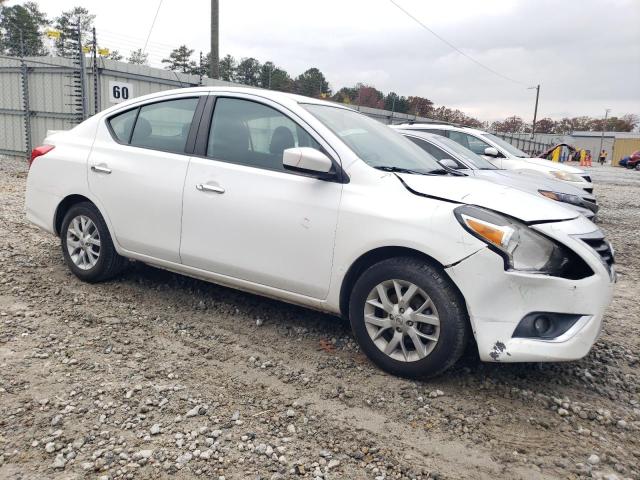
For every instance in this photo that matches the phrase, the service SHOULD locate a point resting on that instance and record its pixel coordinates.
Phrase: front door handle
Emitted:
(203, 187)
(100, 169)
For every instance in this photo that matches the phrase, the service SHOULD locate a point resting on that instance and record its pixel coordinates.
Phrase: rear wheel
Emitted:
(87, 246)
(408, 318)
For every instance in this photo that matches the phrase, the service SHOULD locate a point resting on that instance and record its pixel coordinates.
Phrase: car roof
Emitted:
(432, 137)
(279, 97)
(437, 126)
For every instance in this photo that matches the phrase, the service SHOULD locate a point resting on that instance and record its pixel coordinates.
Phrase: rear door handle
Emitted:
(203, 187)
(100, 169)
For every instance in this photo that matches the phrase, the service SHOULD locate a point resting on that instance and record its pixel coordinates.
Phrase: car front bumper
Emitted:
(497, 300)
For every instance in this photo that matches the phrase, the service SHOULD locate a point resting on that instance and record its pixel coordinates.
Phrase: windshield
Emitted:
(465, 154)
(375, 143)
(506, 146)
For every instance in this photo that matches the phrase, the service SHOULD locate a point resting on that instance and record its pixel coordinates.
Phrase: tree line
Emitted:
(21, 33)
(624, 123)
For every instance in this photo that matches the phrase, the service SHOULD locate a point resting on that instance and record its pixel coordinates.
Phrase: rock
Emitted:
(291, 413)
(57, 420)
(333, 463)
(50, 447)
(563, 412)
(59, 462)
(143, 454)
(259, 322)
(593, 459)
(155, 429)
(184, 458)
(198, 410)
(291, 428)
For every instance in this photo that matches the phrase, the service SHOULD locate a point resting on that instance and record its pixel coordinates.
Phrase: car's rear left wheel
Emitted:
(408, 317)
(87, 246)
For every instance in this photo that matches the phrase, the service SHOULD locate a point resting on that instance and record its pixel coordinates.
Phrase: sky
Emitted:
(584, 53)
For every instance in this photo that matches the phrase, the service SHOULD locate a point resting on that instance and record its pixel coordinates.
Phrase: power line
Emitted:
(152, 24)
(451, 45)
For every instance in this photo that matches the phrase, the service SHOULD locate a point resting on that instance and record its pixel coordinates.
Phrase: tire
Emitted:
(99, 261)
(637, 167)
(447, 305)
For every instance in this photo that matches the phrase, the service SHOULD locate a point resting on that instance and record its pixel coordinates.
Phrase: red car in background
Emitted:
(632, 161)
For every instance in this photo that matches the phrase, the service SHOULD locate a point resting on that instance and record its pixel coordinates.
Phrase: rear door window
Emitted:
(164, 125)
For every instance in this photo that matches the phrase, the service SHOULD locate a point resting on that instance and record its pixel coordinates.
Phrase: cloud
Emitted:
(585, 53)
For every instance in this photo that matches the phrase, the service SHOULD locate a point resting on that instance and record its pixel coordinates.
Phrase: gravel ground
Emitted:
(155, 375)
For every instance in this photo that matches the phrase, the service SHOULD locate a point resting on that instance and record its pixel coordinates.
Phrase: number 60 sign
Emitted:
(120, 91)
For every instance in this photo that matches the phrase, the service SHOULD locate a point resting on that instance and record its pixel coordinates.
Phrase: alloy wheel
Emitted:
(402, 320)
(83, 242)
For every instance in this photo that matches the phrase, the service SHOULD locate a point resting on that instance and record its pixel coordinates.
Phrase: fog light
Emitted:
(541, 325)
(545, 325)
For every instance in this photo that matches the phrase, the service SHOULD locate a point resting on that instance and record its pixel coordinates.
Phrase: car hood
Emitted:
(475, 191)
(552, 165)
(523, 180)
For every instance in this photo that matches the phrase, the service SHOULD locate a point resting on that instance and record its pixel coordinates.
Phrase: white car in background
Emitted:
(315, 204)
(504, 155)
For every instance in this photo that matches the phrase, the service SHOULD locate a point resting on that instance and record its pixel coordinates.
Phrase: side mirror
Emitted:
(306, 159)
(449, 163)
(491, 152)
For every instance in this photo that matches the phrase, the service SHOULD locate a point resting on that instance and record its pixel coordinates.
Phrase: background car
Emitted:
(504, 155)
(452, 155)
(634, 161)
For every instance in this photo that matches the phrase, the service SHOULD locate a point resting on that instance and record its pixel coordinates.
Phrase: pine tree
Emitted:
(180, 60)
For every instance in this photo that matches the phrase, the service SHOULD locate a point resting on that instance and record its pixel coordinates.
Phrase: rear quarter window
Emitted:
(122, 124)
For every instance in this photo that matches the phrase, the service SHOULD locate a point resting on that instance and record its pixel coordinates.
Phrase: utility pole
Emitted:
(535, 111)
(604, 126)
(215, 55)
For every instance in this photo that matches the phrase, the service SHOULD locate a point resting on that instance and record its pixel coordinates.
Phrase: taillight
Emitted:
(39, 151)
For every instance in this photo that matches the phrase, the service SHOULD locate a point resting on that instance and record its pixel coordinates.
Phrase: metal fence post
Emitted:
(24, 80)
(95, 72)
(83, 76)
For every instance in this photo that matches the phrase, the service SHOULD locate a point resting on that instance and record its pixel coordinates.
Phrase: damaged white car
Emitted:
(315, 204)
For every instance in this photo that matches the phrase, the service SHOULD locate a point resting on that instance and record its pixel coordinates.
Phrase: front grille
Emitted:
(601, 246)
(587, 178)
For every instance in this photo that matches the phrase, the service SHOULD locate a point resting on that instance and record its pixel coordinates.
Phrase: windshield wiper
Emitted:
(438, 171)
(387, 168)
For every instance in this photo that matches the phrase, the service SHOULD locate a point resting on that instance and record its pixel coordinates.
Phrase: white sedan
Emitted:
(315, 204)
(504, 155)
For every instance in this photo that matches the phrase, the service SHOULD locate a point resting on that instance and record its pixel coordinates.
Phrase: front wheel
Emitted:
(87, 246)
(408, 317)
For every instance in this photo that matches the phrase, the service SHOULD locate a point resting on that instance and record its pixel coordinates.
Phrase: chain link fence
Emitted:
(39, 93)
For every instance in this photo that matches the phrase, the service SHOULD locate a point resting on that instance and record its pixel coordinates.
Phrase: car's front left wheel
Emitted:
(408, 317)
(87, 246)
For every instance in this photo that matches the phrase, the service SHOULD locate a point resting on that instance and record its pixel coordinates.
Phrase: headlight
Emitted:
(521, 247)
(562, 197)
(565, 176)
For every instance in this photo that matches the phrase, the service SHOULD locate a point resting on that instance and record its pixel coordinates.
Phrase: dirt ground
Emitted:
(155, 375)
